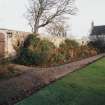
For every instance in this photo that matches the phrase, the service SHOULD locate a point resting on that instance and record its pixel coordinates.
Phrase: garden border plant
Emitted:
(43, 53)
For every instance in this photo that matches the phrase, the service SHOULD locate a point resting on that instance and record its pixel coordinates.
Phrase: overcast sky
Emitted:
(12, 15)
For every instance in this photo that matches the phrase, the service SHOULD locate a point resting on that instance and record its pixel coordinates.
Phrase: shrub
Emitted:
(87, 51)
(58, 58)
(35, 51)
(31, 40)
(97, 44)
(46, 46)
(67, 46)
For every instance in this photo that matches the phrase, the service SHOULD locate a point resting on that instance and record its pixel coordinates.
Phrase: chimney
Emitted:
(92, 24)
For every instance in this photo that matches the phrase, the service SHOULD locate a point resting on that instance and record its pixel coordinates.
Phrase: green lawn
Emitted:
(84, 87)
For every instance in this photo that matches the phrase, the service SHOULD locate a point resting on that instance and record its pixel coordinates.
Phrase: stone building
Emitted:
(97, 32)
(8, 39)
(97, 37)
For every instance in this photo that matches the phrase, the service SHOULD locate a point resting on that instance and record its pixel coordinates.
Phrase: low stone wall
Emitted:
(33, 79)
(2, 45)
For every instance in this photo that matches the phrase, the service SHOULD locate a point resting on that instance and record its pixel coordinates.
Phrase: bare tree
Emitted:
(43, 12)
(57, 29)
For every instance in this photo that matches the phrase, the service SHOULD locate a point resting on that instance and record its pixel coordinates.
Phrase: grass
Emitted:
(84, 87)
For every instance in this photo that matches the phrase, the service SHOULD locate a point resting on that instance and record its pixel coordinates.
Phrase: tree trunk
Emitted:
(36, 25)
(35, 29)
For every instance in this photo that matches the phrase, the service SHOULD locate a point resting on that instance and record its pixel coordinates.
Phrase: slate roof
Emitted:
(98, 30)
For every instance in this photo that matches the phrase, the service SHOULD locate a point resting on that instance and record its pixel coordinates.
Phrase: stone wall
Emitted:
(8, 40)
(2, 45)
(12, 41)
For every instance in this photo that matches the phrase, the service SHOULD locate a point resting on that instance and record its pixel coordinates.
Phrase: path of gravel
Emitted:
(32, 79)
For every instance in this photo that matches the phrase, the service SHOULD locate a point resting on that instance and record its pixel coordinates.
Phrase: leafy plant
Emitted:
(35, 51)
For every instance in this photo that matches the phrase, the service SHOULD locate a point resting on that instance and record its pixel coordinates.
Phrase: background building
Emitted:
(97, 37)
(97, 32)
(8, 39)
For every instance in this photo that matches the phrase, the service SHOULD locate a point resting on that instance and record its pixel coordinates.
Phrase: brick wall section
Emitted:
(35, 78)
(2, 45)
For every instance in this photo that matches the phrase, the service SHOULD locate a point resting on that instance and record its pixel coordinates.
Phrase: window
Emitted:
(9, 34)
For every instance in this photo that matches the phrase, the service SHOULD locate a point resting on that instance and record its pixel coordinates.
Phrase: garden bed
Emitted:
(38, 52)
(8, 71)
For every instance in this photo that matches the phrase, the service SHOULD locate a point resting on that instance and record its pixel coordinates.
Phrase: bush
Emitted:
(67, 46)
(98, 44)
(58, 58)
(31, 40)
(35, 51)
(87, 51)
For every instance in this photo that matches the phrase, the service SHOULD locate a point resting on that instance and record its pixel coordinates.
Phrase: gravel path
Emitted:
(17, 88)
